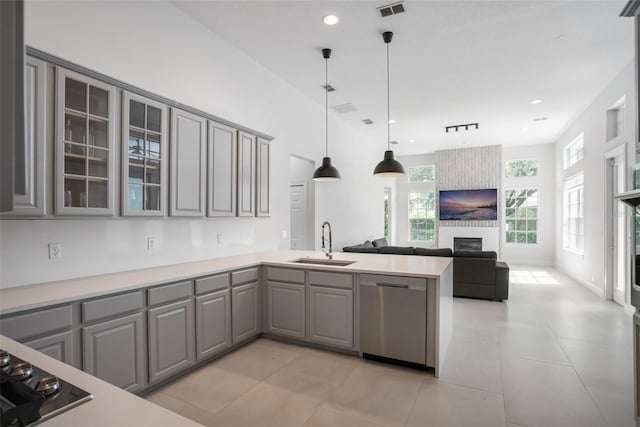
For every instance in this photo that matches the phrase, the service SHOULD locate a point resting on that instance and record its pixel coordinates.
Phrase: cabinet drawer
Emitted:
(334, 280)
(37, 322)
(285, 275)
(212, 283)
(169, 293)
(111, 306)
(244, 276)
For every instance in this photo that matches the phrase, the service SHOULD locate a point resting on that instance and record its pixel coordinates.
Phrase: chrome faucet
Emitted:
(330, 253)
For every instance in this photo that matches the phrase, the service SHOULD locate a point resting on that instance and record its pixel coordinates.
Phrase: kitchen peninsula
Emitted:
(217, 305)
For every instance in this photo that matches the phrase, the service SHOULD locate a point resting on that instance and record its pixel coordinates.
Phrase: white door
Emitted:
(299, 215)
(619, 232)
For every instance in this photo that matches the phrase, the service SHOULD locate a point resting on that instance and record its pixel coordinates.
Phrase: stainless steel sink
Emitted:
(320, 261)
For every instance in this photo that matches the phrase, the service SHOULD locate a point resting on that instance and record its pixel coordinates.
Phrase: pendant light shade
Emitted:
(326, 172)
(389, 166)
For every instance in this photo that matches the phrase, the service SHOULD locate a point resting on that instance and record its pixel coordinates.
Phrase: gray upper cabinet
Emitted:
(331, 316)
(245, 312)
(188, 164)
(213, 323)
(222, 179)
(246, 174)
(31, 202)
(84, 147)
(171, 339)
(144, 156)
(263, 200)
(286, 309)
(114, 351)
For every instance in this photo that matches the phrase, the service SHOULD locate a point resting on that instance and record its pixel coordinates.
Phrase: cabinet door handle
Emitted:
(392, 285)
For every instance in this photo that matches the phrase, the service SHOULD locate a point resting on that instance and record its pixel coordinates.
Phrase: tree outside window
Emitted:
(518, 168)
(422, 213)
(521, 213)
(422, 174)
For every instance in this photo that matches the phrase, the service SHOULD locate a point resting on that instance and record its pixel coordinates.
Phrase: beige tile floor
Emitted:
(553, 355)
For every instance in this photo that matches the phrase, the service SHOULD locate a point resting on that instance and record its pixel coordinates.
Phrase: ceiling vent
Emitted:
(540, 119)
(367, 121)
(391, 9)
(345, 108)
(328, 88)
(393, 142)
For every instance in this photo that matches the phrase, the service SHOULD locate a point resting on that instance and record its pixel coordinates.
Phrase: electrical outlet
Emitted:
(220, 238)
(283, 234)
(55, 250)
(151, 243)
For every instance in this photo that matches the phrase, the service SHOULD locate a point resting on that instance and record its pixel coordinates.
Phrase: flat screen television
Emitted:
(469, 205)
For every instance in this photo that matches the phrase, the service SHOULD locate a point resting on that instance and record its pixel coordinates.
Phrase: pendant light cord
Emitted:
(388, 105)
(326, 106)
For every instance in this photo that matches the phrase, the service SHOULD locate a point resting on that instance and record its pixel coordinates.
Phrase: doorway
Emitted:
(302, 206)
(617, 238)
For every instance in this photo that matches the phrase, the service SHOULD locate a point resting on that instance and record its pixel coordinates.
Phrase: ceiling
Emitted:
(452, 62)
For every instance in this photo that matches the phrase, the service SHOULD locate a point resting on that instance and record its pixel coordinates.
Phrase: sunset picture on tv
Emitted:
(469, 205)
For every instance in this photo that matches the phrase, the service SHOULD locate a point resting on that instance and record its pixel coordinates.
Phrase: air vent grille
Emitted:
(328, 88)
(345, 108)
(391, 9)
(393, 142)
(540, 119)
(367, 121)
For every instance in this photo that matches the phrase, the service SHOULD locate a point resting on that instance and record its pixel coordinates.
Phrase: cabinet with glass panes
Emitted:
(84, 148)
(144, 168)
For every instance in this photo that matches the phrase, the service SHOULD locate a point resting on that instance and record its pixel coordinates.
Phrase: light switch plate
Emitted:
(151, 243)
(220, 238)
(283, 234)
(55, 250)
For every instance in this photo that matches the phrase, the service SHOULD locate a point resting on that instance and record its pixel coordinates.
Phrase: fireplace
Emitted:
(467, 243)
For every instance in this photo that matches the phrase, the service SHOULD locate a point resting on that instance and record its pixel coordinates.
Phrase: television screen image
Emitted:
(469, 205)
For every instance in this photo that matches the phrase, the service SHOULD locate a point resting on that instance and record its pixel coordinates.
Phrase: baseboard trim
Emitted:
(629, 309)
(593, 288)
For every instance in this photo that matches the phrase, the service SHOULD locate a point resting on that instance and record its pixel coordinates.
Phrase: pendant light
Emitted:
(388, 167)
(326, 172)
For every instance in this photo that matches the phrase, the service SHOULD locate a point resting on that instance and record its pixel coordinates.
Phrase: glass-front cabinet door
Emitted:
(84, 147)
(144, 165)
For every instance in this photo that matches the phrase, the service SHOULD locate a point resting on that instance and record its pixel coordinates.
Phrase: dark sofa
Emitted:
(476, 274)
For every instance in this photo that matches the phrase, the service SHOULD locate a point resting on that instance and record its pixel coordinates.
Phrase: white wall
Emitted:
(156, 47)
(589, 268)
(542, 253)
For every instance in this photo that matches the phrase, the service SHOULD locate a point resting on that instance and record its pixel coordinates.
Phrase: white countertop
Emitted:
(110, 405)
(43, 294)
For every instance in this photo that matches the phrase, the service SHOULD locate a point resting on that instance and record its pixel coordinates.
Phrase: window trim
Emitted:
(435, 206)
(565, 159)
(504, 169)
(565, 216)
(504, 216)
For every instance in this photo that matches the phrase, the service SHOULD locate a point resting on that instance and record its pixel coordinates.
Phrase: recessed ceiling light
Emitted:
(412, 141)
(536, 101)
(392, 121)
(525, 129)
(330, 19)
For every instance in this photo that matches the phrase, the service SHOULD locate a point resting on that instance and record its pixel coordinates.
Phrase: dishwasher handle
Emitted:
(392, 285)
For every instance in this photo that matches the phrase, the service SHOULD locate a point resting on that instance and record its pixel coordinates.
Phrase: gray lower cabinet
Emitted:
(171, 339)
(58, 346)
(286, 309)
(636, 367)
(213, 323)
(331, 316)
(114, 351)
(245, 311)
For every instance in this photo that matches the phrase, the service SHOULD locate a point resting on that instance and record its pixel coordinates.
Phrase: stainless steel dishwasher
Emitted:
(393, 317)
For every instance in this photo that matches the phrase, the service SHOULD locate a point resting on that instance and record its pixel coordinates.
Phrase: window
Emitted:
(387, 213)
(574, 213)
(574, 151)
(422, 213)
(517, 168)
(615, 119)
(422, 174)
(521, 213)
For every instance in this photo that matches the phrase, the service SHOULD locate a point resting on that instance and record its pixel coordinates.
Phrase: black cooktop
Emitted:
(29, 394)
